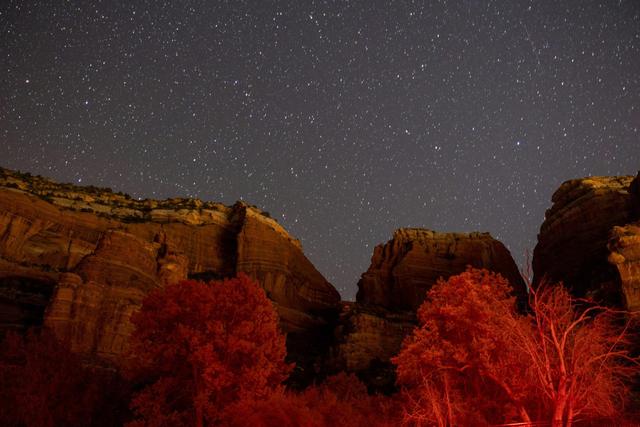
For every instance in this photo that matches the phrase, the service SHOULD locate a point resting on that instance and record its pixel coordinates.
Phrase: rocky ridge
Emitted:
(88, 256)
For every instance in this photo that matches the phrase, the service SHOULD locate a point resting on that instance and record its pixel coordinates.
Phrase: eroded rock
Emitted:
(94, 255)
(404, 268)
(589, 239)
(371, 330)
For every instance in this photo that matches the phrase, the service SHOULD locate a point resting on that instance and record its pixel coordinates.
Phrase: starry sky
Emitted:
(343, 119)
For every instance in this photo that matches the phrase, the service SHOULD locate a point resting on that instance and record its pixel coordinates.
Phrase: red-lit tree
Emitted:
(461, 365)
(475, 359)
(203, 346)
(580, 355)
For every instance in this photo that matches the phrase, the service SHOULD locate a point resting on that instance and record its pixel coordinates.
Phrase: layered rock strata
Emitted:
(89, 257)
(590, 240)
(404, 268)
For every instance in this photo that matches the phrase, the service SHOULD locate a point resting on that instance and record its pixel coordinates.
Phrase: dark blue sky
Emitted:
(344, 120)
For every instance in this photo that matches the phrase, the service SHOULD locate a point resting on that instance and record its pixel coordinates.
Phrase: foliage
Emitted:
(43, 384)
(202, 346)
(458, 365)
(476, 360)
(341, 401)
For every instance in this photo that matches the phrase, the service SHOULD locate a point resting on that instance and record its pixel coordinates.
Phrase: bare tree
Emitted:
(580, 353)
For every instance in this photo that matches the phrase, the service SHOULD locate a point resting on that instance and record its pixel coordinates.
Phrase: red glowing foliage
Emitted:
(341, 401)
(458, 367)
(202, 347)
(43, 384)
(476, 360)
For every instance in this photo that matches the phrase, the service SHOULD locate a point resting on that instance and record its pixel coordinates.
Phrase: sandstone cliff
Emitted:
(88, 256)
(366, 338)
(590, 239)
(403, 269)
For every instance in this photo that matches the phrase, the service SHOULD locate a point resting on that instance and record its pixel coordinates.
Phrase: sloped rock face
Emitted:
(371, 331)
(403, 269)
(91, 307)
(589, 239)
(90, 256)
(288, 277)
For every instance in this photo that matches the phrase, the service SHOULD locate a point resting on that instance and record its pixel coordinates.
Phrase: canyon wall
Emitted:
(404, 268)
(590, 240)
(81, 259)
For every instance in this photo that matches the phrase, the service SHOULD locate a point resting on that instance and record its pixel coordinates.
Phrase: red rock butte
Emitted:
(403, 269)
(371, 330)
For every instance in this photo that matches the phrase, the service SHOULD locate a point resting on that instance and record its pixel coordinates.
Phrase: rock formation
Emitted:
(89, 256)
(366, 338)
(590, 239)
(624, 255)
(81, 259)
(403, 269)
(288, 277)
(395, 285)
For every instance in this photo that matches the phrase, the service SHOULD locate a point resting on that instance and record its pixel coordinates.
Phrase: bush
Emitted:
(43, 384)
(341, 401)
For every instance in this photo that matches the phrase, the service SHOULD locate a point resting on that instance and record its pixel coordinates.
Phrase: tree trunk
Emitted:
(449, 409)
(560, 406)
(199, 415)
(570, 413)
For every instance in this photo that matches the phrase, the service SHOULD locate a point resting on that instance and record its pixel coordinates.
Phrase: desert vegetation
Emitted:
(212, 354)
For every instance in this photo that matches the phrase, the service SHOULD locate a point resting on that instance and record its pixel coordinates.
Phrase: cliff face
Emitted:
(371, 331)
(590, 239)
(89, 257)
(301, 293)
(403, 269)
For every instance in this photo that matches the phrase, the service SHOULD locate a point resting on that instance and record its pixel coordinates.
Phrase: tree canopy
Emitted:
(203, 346)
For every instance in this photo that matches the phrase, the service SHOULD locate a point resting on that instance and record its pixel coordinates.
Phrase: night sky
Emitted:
(344, 120)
